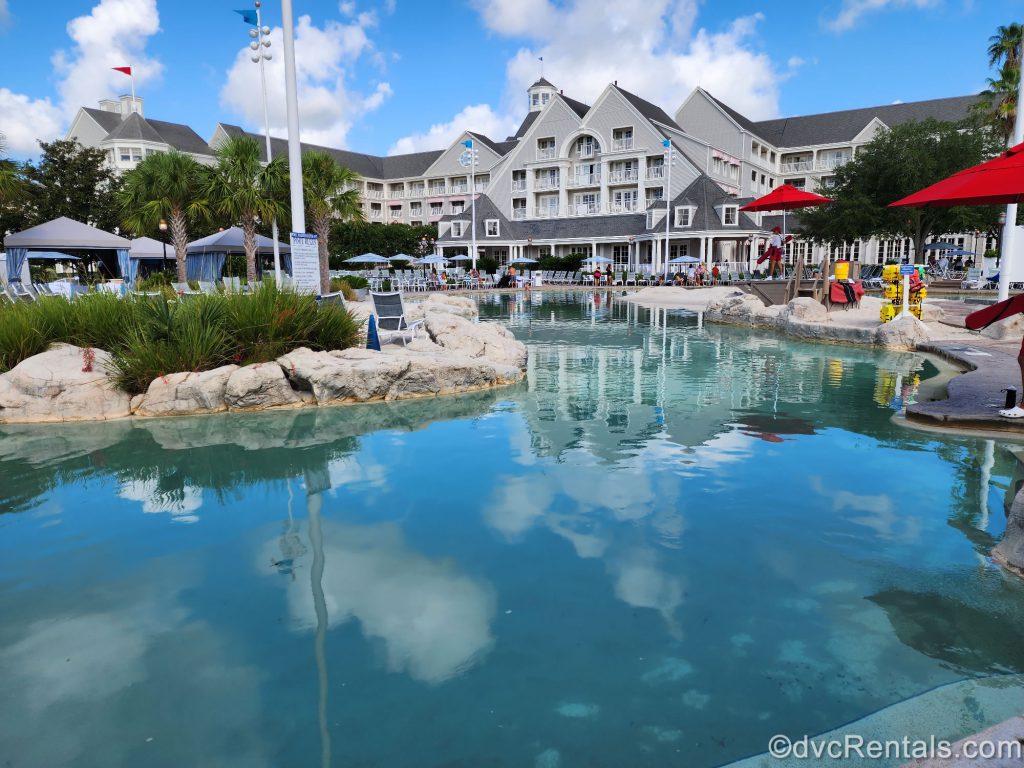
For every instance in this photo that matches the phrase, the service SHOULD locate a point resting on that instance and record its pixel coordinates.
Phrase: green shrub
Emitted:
(570, 263)
(150, 337)
(356, 281)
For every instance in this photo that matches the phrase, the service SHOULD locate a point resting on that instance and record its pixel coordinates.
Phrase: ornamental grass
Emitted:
(149, 337)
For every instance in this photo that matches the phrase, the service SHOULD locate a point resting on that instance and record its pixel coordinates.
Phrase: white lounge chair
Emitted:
(390, 311)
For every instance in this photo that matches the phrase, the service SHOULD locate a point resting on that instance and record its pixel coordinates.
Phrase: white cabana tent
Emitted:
(66, 236)
(205, 257)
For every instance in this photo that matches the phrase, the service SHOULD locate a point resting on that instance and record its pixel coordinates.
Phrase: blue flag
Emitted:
(468, 144)
(666, 143)
(249, 17)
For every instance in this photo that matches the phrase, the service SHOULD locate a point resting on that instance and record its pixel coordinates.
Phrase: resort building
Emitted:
(594, 179)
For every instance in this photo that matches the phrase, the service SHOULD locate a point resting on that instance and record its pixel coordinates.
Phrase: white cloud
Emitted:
(480, 118)
(657, 55)
(852, 10)
(113, 34)
(324, 58)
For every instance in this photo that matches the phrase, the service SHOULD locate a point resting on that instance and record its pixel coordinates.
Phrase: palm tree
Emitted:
(330, 192)
(168, 185)
(11, 181)
(241, 187)
(1005, 46)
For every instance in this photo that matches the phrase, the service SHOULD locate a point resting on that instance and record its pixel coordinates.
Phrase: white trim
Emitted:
(690, 209)
(497, 227)
(462, 228)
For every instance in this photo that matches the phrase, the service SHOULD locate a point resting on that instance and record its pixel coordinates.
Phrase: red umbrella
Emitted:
(1000, 181)
(785, 198)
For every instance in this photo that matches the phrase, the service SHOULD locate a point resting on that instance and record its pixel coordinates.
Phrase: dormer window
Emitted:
(730, 215)
(684, 215)
(491, 228)
(458, 228)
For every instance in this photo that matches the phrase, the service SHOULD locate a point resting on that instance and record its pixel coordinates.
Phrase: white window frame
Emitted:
(689, 210)
(726, 209)
(487, 228)
(460, 226)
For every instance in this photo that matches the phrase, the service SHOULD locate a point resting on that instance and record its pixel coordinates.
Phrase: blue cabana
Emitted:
(64, 236)
(205, 257)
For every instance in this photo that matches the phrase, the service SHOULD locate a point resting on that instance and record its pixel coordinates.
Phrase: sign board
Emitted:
(305, 262)
(907, 269)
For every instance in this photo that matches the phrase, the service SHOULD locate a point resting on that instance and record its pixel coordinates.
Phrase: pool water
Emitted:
(672, 542)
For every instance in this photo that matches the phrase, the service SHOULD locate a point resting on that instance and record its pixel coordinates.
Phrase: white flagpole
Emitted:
(266, 126)
(472, 199)
(668, 205)
(131, 74)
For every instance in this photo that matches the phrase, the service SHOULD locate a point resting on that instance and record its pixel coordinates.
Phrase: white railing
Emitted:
(620, 176)
(435, 190)
(436, 212)
(546, 212)
(546, 153)
(417, 191)
(585, 152)
(623, 143)
(656, 172)
(584, 209)
(585, 180)
(376, 194)
(518, 185)
(397, 194)
(458, 189)
(546, 182)
(376, 214)
(518, 214)
(796, 166)
(481, 186)
(832, 162)
(625, 206)
(415, 213)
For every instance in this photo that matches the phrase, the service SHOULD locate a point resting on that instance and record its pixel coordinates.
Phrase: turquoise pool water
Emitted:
(673, 542)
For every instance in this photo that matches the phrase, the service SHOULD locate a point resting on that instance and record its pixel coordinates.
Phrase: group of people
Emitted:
(942, 264)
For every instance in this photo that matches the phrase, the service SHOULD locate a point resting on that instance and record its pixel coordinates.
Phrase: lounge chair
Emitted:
(332, 299)
(208, 287)
(390, 311)
(975, 280)
(183, 289)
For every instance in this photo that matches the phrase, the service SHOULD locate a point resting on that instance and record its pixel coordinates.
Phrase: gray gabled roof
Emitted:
(107, 120)
(704, 194)
(134, 128)
(371, 166)
(524, 126)
(500, 147)
(650, 111)
(578, 107)
(485, 209)
(137, 128)
(542, 81)
(836, 127)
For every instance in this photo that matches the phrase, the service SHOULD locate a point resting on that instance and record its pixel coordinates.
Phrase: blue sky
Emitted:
(402, 75)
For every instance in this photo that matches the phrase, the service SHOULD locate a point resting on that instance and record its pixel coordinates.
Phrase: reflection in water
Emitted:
(673, 539)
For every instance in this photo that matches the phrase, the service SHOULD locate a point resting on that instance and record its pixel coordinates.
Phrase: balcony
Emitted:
(417, 192)
(546, 153)
(546, 212)
(458, 189)
(656, 173)
(416, 213)
(584, 209)
(623, 176)
(436, 213)
(585, 152)
(585, 180)
(397, 194)
(518, 214)
(375, 194)
(436, 191)
(376, 213)
(546, 182)
(625, 206)
(481, 186)
(518, 185)
(796, 166)
(618, 145)
(831, 163)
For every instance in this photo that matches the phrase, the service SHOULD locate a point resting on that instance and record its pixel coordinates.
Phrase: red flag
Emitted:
(126, 70)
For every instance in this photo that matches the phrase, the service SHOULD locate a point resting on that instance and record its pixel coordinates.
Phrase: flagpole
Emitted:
(266, 128)
(668, 203)
(131, 74)
(472, 198)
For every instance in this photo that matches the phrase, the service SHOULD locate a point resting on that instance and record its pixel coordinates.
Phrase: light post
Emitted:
(292, 102)
(163, 236)
(259, 45)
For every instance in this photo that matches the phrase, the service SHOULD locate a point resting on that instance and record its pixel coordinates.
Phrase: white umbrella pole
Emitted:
(1010, 227)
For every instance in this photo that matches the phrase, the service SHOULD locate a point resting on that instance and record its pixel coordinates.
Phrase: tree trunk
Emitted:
(249, 243)
(322, 228)
(179, 237)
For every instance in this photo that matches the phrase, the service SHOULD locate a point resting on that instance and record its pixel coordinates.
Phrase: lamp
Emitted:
(163, 232)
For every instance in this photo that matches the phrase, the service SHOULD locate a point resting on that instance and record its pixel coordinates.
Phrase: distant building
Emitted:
(579, 178)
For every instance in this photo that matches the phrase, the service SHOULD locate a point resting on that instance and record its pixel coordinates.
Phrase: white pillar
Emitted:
(1010, 227)
(292, 101)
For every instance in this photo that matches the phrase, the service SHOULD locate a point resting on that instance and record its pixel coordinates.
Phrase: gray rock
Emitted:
(259, 386)
(806, 309)
(490, 341)
(181, 393)
(901, 333)
(455, 305)
(1010, 328)
(1009, 552)
(53, 386)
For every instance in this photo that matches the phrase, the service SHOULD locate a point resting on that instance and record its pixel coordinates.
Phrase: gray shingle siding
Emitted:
(704, 194)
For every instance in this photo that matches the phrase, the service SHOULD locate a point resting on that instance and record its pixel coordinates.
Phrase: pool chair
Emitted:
(332, 299)
(208, 287)
(183, 289)
(390, 312)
